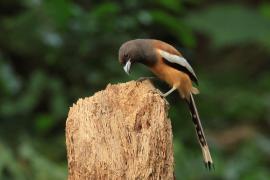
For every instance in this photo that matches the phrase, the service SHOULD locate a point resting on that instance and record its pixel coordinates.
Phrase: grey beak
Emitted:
(127, 66)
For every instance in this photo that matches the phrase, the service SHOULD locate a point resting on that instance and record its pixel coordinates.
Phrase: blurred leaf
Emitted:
(33, 93)
(43, 123)
(265, 9)
(9, 82)
(231, 24)
(175, 26)
(174, 5)
(248, 106)
(22, 30)
(59, 11)
(58, 104)
(105, 9)
(9, 164)
(42, 168)
(27, 102)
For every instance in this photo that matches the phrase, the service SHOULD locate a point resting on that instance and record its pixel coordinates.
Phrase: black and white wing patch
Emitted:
(178, 63)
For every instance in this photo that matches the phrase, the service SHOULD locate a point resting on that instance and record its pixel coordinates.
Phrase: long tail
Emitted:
(200, 134)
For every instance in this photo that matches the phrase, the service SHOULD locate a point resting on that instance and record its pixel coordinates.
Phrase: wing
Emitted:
(178, 63)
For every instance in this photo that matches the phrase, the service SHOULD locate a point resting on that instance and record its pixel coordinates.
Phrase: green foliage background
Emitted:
(53, 52)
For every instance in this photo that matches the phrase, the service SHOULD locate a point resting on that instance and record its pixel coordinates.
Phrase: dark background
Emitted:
(53, 52)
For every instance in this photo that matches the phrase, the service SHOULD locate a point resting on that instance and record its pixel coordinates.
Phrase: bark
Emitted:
(122, 132)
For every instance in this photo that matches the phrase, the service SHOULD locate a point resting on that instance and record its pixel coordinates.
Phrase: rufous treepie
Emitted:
(170, 66)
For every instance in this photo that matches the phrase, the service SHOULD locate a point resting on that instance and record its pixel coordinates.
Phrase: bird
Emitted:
(168, 64)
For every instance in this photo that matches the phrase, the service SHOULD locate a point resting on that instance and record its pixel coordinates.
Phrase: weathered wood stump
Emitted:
(122, 132)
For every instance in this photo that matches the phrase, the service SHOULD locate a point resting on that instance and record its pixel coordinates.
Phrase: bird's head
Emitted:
(135, 51)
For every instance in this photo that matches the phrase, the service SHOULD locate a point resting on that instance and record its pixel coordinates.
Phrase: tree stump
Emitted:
(122, 132)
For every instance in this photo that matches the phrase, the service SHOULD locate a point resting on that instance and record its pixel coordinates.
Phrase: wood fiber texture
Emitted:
(122, 132)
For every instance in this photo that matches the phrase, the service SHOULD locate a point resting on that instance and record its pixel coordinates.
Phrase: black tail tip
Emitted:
(209, 166)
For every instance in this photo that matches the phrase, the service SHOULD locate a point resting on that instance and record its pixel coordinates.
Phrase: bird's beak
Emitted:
(127, 66)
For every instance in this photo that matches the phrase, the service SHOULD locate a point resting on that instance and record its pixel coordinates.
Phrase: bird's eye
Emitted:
(125, 55)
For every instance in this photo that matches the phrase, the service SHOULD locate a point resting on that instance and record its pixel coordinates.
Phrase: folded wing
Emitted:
(178, 63)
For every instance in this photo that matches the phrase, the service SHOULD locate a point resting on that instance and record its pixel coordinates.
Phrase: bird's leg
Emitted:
(169, 92)
(145, 78)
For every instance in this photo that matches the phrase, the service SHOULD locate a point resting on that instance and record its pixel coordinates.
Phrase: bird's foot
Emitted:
(141, 79)
(162, 95)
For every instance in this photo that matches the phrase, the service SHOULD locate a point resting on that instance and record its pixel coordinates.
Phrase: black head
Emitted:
(136, 51)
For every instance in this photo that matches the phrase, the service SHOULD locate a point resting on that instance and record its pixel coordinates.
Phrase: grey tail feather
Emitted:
(200, 133)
